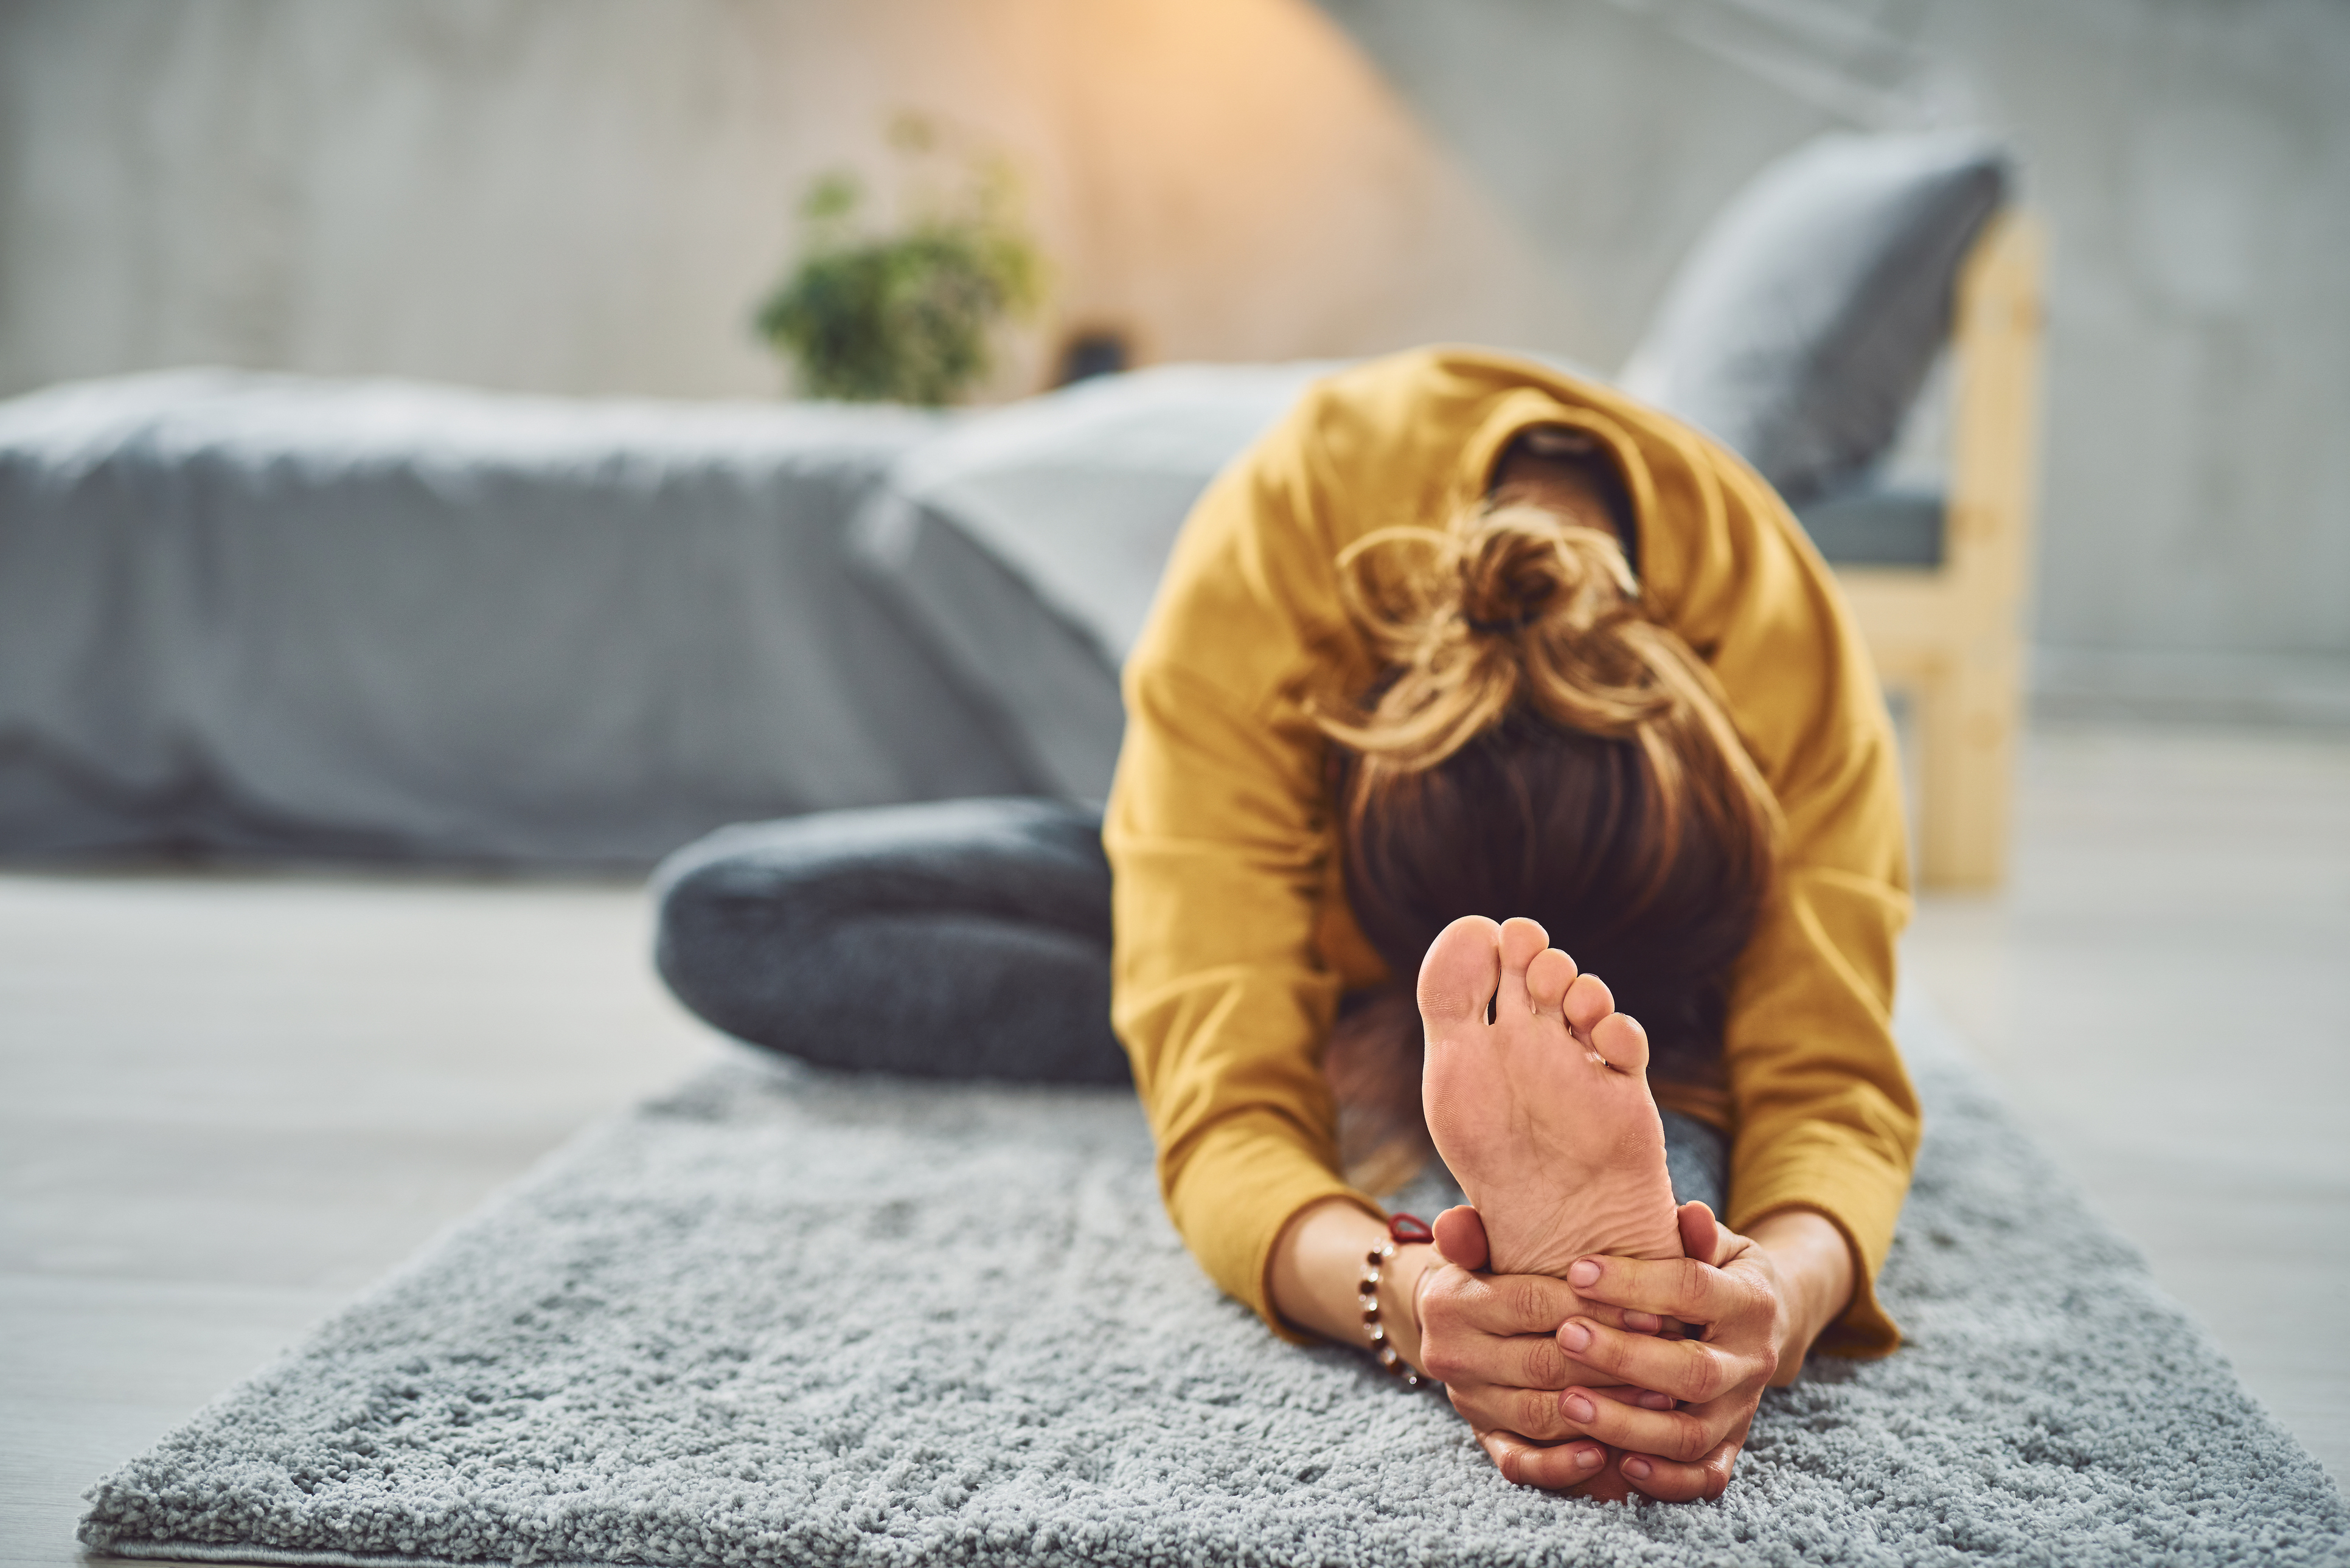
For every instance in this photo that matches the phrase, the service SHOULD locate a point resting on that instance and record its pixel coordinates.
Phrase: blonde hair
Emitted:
(1518, 608)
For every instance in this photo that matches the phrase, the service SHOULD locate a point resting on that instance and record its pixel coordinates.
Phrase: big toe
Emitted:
(1458, 976)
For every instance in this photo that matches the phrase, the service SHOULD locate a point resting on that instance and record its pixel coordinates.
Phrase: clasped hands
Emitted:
(1625, 1377)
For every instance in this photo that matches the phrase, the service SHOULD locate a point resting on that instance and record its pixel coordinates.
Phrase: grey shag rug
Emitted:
(782, 1317)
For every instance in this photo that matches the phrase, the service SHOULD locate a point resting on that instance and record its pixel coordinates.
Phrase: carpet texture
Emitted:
(784, 1317)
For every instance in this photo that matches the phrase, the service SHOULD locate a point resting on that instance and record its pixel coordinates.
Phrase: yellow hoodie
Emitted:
(1234, 938)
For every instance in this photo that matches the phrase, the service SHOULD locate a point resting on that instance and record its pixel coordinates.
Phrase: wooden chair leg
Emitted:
(1969, 715)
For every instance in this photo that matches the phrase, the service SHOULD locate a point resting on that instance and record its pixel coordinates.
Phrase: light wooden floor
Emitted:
(227, 1103)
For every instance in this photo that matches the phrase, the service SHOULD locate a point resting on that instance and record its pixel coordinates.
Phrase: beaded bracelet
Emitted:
(1403, 1228)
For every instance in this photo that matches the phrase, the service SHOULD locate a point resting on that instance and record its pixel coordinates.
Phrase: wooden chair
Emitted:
(1951, 637)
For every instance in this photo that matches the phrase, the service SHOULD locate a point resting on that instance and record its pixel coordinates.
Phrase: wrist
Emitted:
(1812, 1267)
(1314, 1278)
(1400, 1298)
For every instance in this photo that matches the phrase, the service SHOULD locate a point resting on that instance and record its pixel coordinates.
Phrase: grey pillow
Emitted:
(1801, 325)
(1026, 545)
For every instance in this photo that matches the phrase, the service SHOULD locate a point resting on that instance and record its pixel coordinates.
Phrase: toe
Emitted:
(1461, 1237)
(1588, 1001)
(1622, 1042)
(1522, 941)
(1547, 979)
(1458, 977)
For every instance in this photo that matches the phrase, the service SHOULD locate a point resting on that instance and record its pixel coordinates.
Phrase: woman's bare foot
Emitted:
(1544, 1114)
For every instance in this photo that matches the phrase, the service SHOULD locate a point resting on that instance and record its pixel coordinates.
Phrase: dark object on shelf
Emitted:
(1097, 352)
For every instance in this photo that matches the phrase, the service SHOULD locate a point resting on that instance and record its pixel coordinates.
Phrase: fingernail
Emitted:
(1643, 1322)
(1587, 1457)
(1575, 1336)
(1584, 1272)
(1579, 1408)
(1636, 1469)
(1656, 1401)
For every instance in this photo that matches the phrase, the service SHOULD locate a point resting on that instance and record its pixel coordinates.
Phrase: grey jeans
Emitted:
(965, 938)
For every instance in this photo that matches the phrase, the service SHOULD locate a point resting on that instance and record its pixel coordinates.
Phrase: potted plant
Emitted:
(910, 315)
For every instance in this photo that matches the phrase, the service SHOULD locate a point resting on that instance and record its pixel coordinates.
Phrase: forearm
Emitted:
(1813, 1266)
(1317, 1263)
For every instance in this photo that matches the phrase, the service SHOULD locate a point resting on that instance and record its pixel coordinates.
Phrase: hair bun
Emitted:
(1508, 576)
(1520, 567)
(1512, 606)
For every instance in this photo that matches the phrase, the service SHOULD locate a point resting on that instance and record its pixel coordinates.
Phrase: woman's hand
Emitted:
(1678, 1408)
(1498, 1335)
(1758, 1302)
(1493, 1340)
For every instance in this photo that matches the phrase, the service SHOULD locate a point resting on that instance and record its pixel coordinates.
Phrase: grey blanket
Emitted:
(797, 1318)
(264, 614)
(270, 613)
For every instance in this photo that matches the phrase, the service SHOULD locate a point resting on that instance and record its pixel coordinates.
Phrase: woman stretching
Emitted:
(1483, 677)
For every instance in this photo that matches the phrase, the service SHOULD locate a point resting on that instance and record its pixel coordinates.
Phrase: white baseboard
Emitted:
(2297, 690)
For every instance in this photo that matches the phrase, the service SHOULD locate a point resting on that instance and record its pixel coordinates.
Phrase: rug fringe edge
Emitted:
(189, 1552)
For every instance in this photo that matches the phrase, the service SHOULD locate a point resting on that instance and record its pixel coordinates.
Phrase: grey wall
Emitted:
(588, 195)
(2191, 160)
